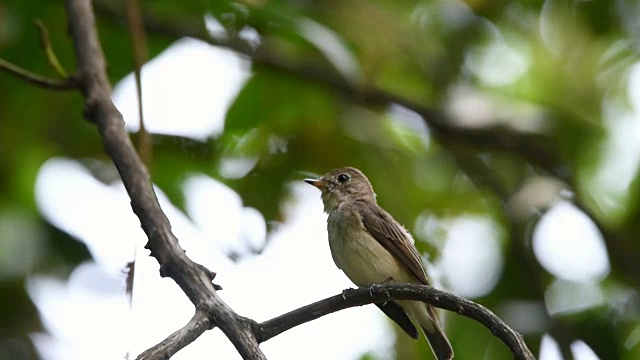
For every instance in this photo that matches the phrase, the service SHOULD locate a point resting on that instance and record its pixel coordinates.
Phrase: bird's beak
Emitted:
(317, 183)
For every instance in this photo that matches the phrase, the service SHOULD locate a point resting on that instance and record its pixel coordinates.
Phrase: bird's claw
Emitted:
(345, 292)
(372, 289)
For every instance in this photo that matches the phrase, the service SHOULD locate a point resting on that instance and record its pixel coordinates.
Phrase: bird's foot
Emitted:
(388, 280)
(345, 292)
(372, 288)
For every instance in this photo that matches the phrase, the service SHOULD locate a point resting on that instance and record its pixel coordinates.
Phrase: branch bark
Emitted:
(351, 298)
(385, 292)
(198, 324)
(193, 279)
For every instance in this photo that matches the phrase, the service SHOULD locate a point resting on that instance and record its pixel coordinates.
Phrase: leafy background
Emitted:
(525, 91)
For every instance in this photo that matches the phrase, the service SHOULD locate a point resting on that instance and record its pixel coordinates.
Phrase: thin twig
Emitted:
(48, 49)
(38, 80)
(140, 54)
(198, 324)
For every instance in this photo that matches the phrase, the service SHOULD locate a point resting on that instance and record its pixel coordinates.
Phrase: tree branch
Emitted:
(198, 324)
(193, 279)
(38, 80)
(385, 292)
(351, 298)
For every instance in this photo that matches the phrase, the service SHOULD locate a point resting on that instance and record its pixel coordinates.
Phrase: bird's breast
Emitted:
(362, 258)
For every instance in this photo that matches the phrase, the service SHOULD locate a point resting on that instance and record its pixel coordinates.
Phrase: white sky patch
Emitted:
(582, 351)
(236, 167)
(471, 260)
(186, 90)
(254, 228)
(549, 349)
(496, 63)
(99, 215)
(71, 199)
(250, 35)
(332, 47)
(620, 153)
(568, 244)
(218, 212)
(214, 28)
(86, 317)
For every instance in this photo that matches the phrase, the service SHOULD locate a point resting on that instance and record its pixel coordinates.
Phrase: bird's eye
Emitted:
(343, 178)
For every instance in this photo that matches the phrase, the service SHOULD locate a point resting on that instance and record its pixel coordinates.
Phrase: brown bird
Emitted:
(371, 247)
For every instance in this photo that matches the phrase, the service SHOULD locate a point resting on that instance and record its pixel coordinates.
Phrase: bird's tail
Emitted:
(425, 315)
(435, 335)
(439, 343)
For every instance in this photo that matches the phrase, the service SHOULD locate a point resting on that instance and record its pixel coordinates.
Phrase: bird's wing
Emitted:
(392, 236)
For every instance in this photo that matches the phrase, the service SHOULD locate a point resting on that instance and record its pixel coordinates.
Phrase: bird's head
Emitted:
(343, 184)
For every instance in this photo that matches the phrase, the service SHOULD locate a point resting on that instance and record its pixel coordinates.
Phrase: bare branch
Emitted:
(38, 80)
(193, 279)
(198, 324)
(385, 292)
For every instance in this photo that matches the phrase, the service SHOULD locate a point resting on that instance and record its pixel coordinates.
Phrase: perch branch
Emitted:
(385, 292)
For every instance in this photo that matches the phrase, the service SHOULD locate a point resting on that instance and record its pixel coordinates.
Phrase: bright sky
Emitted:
(88, 315)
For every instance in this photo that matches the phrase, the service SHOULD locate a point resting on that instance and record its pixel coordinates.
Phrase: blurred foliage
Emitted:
(571, 58)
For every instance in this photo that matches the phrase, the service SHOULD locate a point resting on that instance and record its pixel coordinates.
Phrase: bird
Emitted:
(371, 247)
